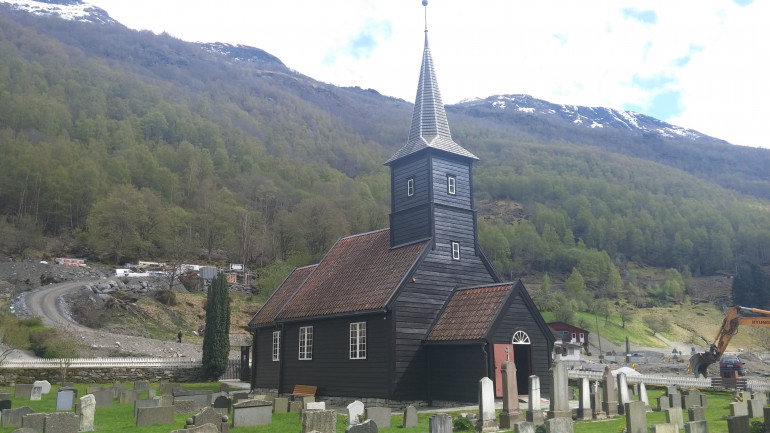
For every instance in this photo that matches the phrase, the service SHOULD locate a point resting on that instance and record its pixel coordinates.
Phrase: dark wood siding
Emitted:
(520, 315)
(457, 225)
(331, 368)
(417, 169)
(267, 370)
(443, 167)
(410, 225)
(417, 306)
(455, 371)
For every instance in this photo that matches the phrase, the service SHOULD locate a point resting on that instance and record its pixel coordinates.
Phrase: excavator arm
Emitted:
(700, 362)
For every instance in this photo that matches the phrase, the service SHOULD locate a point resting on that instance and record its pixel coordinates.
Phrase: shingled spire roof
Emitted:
(430, 128)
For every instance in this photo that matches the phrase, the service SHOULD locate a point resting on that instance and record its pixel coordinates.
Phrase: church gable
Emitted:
(279, 298)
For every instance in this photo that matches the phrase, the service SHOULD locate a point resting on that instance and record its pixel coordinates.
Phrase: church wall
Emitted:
(443, 167)
(267, 370)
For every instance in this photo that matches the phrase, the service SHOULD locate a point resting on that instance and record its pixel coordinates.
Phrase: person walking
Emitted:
(179, 336)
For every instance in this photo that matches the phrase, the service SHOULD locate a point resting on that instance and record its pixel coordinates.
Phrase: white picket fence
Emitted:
(665, 380)
(126, 362)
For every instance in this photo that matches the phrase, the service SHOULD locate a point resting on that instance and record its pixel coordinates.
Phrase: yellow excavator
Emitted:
(736, 315)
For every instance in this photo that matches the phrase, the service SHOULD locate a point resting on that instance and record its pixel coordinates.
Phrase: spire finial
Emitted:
(425, 3)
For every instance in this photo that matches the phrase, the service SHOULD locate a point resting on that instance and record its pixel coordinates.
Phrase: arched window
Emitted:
(520, 337)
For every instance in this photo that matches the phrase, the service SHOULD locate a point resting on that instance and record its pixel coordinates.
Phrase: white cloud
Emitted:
(559, 50)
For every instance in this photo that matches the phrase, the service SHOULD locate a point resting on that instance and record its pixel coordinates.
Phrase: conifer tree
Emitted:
(216, 338)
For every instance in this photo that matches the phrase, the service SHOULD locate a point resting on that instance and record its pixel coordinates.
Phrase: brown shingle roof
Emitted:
(470, 313)
(267, 313)
(359, 273)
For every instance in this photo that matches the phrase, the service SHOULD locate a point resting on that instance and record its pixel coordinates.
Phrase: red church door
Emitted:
(502, 352)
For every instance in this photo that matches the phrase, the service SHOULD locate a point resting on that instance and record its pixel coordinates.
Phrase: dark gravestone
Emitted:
(223, 402)
(64, 400)
(155, 402)
(23, 390)
(5, 401)
(738, 424)
(35, 421)
(63, 422)
(367, 426)
(146, 416)
(12, 417)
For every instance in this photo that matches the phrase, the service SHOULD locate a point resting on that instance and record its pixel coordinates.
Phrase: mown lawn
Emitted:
(119, 417)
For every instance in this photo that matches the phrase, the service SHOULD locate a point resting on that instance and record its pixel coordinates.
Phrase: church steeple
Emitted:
(430, 128)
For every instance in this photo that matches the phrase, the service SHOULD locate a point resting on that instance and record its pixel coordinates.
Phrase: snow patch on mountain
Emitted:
(71, 10)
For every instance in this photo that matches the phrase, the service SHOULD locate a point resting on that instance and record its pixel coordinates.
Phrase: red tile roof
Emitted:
(267, 313)
(469, 313)
(359, 273)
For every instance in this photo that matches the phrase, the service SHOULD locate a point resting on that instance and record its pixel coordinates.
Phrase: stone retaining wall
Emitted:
(101, 375)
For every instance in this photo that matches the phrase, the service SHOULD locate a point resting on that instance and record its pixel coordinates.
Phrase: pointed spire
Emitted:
(430, 127)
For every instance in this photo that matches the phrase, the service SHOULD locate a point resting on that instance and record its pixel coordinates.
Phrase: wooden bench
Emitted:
(304, 391)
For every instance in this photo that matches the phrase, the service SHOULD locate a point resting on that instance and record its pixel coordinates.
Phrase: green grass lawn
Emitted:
(119, 418)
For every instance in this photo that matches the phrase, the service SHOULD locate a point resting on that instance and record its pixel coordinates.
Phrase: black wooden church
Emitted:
(412, 312)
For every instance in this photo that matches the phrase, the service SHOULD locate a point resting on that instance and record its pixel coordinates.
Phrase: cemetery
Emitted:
(610, 404)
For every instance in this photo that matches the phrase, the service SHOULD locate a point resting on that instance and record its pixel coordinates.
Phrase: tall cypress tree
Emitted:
(216, 338)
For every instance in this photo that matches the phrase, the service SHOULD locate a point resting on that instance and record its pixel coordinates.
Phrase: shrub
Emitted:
(166, 297)
(463, 424)
(50, 343)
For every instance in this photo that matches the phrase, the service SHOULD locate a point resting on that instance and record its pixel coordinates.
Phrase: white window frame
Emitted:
(410, 187)
(582, 337)
(455, 250)
(451, 185)
(358, 340)
(276, 345)
(574, 337)
(305, 343)
(520, 337)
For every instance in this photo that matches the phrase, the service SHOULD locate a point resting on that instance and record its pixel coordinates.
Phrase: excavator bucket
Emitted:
(699, 364)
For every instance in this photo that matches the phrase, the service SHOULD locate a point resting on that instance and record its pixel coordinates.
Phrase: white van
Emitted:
(122, 272)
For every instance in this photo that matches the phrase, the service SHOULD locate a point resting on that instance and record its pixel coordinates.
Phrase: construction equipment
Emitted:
(736, 315)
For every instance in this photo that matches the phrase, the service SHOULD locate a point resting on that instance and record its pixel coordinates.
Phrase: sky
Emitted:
(702, 64)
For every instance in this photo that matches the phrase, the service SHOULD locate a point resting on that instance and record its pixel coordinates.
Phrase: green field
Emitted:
(119, 418)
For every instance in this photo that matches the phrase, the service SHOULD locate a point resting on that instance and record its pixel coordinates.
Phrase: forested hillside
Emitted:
(119, 145)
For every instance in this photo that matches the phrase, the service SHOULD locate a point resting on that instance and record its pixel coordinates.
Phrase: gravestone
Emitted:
(321, 421)
(62, 422)
(672, 389)
(151, 393)
(690, 398)
(596, 402)
(70, 388)
(205, 428)
(141, 385)
(35, 421)
(636, 417)
(223, 387)
(146, 416)
(201, 398)
(68, 384)
(584, 412)
(675, 400)
(316, 405)
(663, 403)
(761, 396)
(440, 423)
(90, 389)
(766, 413)
(223, 402)
(755, 408)
(410, 417)
(558, 425)
(367, 426)
(696, 413)
(559, 407)
(5, 400)
(240, 396)
(524, 427)
(281, 405)
(355, 410)
(155, 402)
(738, 424)
(87, 412)
(64, 400)
(487, 419)
(511, 413)
(22, 390)
(169, 388)
(739, 408)
(609, 404)
(12, 417)
(307, 399)
(103, 397)
(37, 393)
(696, 427)
(252, 412)
(635, 391)
(128, 396)
(664, 428)
(623, 397)
(380, 416)
(210, 416)
(643, 396)
(117, 388)
(534, 412)
(674, 416)
(295, 406)
(184, 406)
(44, 385)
